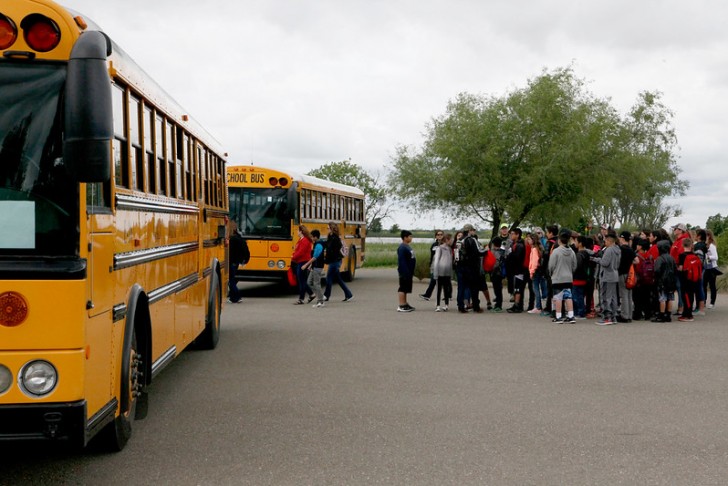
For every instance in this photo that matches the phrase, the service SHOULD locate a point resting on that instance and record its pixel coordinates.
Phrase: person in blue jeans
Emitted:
(333, 260)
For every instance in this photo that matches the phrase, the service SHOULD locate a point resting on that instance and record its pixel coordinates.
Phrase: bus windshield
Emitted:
(38, 200)
(261, 213)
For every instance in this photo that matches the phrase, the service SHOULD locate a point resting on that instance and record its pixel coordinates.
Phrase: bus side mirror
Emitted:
(87, 115)
(292, 201)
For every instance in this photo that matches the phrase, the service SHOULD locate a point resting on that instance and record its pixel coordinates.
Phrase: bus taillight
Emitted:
(8, 32)
(283, 181)
(41, 33)
(273, 181)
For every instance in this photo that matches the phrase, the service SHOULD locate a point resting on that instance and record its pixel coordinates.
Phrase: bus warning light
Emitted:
(8, 32)
(41, 33)
(274, 247)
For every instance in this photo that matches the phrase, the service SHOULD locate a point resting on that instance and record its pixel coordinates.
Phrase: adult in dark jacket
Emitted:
(516, 268)
(239, 254)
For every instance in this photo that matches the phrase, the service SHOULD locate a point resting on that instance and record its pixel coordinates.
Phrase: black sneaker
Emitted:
(348, 299)
(514, 310)
(405, 308)
(570, 320)
(424, 297)
(558, 320)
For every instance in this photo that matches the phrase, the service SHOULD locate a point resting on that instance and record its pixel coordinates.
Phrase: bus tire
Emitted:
(210, 336)
(117, 433)
(350, 272)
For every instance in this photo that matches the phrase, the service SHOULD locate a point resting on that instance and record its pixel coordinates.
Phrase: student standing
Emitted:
(442, 271)
(406, 269)
(433, 280)
(561, 269)
(609, 278)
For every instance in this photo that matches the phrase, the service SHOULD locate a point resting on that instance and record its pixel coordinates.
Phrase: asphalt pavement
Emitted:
(357, 393)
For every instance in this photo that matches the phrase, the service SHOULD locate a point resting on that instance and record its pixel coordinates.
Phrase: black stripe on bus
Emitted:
(20, 268)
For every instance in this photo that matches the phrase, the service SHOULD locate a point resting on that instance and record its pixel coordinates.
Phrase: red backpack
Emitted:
(693, 267)
(489, 261)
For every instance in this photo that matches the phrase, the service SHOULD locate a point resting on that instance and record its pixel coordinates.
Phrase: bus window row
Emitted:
(327, 206)
(154, 155)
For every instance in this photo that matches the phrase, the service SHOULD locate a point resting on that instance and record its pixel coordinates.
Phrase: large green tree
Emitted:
(377, 206)
(549, 152)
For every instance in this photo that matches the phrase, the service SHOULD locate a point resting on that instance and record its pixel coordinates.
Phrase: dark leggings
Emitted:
(709, 277)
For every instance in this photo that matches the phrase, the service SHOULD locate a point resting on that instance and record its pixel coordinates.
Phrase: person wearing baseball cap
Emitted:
(470, 265)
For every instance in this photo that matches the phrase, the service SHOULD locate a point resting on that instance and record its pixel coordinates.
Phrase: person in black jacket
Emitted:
(239, 255)
(471, 254)
(516, 268)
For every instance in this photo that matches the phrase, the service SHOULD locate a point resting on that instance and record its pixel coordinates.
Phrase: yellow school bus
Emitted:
(269, 205)
(113, 209)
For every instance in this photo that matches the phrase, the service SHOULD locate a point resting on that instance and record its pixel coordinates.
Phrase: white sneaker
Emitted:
(710, 306)
(438, 309)
(534, 311)
(319, 304)
(444, 308)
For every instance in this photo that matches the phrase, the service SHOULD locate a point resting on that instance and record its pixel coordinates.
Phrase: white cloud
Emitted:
(298, 84)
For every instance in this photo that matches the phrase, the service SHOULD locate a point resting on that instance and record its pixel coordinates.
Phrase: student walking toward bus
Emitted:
(315, 267)
(333, 260)
(301, 254)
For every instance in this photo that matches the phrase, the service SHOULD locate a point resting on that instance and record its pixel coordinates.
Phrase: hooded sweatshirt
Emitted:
(562, 264)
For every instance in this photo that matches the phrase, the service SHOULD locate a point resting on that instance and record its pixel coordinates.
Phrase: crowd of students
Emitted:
(615, 278)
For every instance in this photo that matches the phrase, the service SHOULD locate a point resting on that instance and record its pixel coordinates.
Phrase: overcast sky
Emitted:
(297, 84)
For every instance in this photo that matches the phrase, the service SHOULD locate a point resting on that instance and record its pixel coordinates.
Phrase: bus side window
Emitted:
(119, 144)
(159, 153)
(148, 121)
(137, 159)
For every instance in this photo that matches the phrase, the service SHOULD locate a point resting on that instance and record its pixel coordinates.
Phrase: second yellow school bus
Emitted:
(268, 206)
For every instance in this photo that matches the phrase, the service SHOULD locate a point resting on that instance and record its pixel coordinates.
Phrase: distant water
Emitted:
(394, 239)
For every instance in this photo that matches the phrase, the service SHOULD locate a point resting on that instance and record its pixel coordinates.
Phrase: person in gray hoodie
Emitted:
(609, 278)
(562, 264)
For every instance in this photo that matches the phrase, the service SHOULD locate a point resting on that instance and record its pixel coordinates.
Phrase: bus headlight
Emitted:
(281, 264)
(6, 379)
(38, 378)
(271, 264)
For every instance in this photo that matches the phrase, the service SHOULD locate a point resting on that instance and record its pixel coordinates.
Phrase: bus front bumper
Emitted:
(43, 421)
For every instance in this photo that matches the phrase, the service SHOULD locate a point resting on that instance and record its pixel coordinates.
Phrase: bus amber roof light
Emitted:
(41, 33)
(13, 309)
(8, 32)
(273, 181)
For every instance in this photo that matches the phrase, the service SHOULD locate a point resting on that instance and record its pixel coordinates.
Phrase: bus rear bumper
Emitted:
(44, 421)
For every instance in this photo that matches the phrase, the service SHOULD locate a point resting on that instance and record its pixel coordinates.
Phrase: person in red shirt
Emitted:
(681, 232)
(301, 254)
